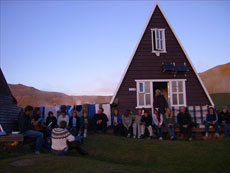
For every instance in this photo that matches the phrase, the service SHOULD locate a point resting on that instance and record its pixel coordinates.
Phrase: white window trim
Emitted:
(184, 94)
(169, 91)
(138, 89)
(157, 52)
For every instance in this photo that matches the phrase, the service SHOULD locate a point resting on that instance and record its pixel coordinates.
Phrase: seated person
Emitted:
(26, 128)
(211, 120)
(137, 124)
(51, 120)
(225, 122)
(127, 123)
(63, 117)
(100, 121)
(59, 138)
(158, 123)
(37, 121)
(169, 122)
(184, 120)
(84, 121)
(117, 122)
(146, 122)
(74, 123)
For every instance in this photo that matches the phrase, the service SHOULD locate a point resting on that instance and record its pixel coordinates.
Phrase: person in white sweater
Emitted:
(158, 122)
(63, 117)
(60, 136)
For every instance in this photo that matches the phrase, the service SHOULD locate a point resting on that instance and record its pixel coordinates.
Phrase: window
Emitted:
(144, 94)
(178, 93)
(158, 41)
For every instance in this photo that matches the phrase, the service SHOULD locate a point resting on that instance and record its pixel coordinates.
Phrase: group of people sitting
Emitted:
(137, 124)
(62, 130)
(68, 132)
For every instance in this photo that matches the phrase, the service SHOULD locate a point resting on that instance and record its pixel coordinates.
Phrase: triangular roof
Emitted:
(142, 34)
(4, 88)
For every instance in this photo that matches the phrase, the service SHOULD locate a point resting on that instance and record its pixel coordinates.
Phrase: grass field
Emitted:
(110, 153)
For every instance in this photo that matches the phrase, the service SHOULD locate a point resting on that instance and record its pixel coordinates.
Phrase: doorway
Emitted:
(163, 87)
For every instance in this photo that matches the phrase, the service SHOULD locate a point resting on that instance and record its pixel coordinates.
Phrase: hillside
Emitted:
(217, 79)
(28, 95)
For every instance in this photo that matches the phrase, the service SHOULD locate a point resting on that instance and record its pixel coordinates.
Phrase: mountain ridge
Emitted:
(216, 80)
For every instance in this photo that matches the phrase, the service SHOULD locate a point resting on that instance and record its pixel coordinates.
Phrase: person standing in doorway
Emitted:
(160, 101)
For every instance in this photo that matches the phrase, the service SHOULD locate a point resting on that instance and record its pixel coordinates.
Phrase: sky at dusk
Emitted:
(83, 47)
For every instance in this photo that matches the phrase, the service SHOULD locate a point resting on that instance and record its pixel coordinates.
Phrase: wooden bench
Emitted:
(11, 138)
(11, 142)
(197, 133)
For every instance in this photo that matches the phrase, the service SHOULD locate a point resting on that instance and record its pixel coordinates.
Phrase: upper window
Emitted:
(158, 41)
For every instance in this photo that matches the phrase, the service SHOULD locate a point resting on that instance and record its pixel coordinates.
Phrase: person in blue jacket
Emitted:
(117, 122)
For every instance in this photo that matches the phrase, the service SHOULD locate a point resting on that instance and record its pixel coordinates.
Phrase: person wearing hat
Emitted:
(146, 122)
(63, 117)
(184, 120)
(225, 121)
(211, 120)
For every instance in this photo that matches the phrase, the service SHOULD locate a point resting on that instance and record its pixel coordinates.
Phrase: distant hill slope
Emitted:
(221, 99)
(28, 95)
(217, 79)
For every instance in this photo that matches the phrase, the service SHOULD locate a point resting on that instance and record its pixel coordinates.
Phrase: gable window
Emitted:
(144, 94)
(178, 93)
(158, 41)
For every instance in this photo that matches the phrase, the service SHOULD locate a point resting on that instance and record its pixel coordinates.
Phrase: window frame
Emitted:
(154, 40)
(145, 93)
(170, 93)
(177, 92)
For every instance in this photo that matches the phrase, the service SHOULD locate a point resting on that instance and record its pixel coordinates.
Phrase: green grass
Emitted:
(110, 153)
(221, 99)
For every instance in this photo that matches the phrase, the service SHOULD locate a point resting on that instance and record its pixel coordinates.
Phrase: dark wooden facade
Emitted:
(146, 65)
(8, 106)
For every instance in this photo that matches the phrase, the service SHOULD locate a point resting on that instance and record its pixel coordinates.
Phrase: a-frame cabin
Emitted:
(159, 61)
(8, 107)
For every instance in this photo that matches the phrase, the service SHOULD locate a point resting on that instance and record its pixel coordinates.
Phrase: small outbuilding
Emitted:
(8, 106)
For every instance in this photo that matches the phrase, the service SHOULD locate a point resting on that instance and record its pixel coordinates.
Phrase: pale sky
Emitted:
(83, 47)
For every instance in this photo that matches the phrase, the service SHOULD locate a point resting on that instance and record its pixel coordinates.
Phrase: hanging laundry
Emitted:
(91, 111)
(70, 110)
(97, 106)
(42, 110)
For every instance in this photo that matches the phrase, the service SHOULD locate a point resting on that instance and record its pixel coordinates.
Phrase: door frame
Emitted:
(169, 81)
